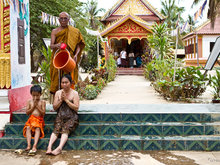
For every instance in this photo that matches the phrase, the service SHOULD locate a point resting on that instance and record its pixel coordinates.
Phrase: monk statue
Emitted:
(75, 43)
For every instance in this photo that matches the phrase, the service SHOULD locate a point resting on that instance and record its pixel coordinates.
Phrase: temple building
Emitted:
(199, 43)
(15, 69)
(128, 24)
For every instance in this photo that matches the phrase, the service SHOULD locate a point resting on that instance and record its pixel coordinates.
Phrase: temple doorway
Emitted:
(136, 47)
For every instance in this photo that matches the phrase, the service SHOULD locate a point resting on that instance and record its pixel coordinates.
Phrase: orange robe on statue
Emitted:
(34, 122)
(71, 37)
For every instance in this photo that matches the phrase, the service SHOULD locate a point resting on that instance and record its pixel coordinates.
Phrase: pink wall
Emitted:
(18, 97)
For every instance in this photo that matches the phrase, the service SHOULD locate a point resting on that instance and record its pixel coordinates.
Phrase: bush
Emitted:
(111, 68)
(90, 92)
(45, 71)
(159, 69)
(100, 84)
(80, 88)
(189, 83)
(214, 82)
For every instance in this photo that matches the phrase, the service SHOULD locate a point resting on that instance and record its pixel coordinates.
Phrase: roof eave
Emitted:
(121, 21)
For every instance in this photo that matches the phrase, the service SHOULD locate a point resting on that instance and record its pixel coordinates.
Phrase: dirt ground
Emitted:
(8, 157)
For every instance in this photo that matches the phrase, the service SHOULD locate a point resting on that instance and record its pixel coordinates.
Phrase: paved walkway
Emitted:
(134, 90)
(128, 90)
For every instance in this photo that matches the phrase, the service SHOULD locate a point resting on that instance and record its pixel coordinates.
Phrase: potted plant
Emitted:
(215, 84)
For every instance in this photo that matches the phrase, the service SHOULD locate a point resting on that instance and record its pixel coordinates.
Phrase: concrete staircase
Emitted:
(131, 127)
(130, 71)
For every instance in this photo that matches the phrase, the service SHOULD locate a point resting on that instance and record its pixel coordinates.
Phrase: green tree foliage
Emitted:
(191, 22)
(171, 11)
(160, 40)
(92, 11)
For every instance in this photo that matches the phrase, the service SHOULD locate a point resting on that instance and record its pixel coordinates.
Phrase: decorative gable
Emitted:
(129, 27)
(140, 8)
(136, 6)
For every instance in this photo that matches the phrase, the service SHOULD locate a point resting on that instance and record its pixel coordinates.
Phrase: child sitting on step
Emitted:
(34, 127)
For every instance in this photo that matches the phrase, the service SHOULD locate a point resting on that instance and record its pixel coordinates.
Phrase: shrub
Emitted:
(90, 92)
(215, 84)
(159, 69)
(111, 68)
(189, 83)
(45, 71)
(100, 84)
(80, 88)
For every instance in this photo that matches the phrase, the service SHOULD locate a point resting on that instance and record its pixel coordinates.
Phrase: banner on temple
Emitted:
(199, 13)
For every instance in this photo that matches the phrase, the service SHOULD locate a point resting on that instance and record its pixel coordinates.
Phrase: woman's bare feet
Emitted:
(49, 151)
(56, 152)
(34, 148)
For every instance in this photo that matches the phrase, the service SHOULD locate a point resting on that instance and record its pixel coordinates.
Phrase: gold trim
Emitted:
(5, 70)
(2, 25)
(6, 12)
(127, 38)
(6, 29)
(7, 40)
(6, 21)
(6, 37)
(120, 2)
(7, 48)
(128, 34)
(132, 17)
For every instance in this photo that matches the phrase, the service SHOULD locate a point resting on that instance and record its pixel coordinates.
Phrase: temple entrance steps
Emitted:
(130, 71)
(131, 127)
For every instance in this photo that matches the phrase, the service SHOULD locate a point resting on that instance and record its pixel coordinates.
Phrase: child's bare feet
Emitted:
(56, 152)
(28, 148)
(34, 149)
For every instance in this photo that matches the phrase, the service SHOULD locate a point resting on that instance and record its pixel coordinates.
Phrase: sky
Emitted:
(107, 4)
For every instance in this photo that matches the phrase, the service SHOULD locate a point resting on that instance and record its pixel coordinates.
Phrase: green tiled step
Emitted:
(121, 117)
(131, 128)
(192, 143)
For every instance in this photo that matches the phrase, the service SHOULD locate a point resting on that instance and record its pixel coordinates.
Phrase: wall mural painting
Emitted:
(22, 8)
(20, 54)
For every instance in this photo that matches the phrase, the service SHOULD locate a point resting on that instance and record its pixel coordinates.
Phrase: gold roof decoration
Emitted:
(161, 16)
(119, 4)
(123, 19)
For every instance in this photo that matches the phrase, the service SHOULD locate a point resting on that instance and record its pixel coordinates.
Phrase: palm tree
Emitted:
(214, 9)
(92, 13)
(191, 22)
(160, 40)
(172, 11)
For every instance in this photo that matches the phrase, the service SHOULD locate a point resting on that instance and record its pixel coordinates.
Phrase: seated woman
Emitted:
(66, 103)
